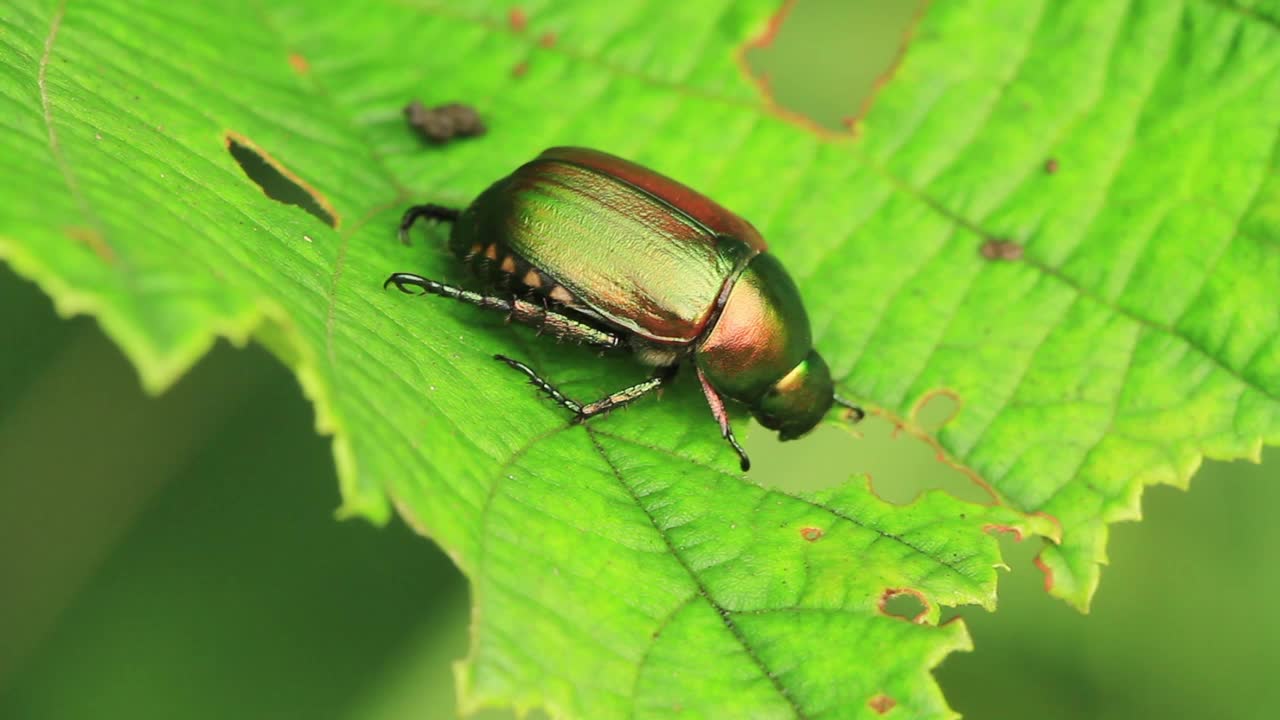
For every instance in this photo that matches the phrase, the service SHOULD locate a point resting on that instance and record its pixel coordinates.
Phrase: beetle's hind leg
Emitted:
(582, 413)
(548, 322)
(428, 211)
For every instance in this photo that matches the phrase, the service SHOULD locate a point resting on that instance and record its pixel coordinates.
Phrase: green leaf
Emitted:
(1104, 325)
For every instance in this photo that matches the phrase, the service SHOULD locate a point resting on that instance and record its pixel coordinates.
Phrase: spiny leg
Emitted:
(626, 396)
(557, 325)
(722, 417)
(582, 413)
(429, 211)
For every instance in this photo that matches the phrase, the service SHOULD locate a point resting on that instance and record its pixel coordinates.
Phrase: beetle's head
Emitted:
(797, 402)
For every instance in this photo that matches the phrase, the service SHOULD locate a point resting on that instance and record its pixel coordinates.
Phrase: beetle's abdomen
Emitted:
(762, 333)
(500, 265)
(634, 259)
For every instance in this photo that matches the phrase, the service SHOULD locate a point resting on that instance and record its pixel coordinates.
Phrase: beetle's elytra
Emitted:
(601, 251)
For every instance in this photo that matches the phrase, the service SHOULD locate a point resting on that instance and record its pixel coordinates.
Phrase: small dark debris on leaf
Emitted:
(994, 249)
(1051, 165)
(443, 123)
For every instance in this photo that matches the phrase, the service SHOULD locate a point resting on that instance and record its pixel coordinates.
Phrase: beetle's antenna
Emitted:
(856, 413)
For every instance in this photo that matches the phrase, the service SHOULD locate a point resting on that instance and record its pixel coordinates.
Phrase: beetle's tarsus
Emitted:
(405, 281)
(743, 461)
(604, 406)
(430, 211)
(856, 414)
(547, 388)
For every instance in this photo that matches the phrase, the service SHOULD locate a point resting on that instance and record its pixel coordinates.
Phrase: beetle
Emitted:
(601, 251)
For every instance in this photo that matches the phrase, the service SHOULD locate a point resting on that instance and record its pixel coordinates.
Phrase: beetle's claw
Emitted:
(855, 414)
(404, 282)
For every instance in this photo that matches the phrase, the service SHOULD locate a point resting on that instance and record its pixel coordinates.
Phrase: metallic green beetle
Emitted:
(601, 251)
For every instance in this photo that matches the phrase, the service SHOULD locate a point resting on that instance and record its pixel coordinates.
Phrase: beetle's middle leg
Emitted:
(582, 413)
(549, 322)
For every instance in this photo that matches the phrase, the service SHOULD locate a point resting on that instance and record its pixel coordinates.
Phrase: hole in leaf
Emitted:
(935, 409)
(904, 603)
(277, 181)
(901, 465)
(826, 60)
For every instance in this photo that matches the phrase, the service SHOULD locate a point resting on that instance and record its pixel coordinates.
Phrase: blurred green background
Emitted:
(177, 557)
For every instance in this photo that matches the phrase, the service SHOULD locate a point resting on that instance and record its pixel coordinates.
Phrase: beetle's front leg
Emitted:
(429, 211)
(726, 430)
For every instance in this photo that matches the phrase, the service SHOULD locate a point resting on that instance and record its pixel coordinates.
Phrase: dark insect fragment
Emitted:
(443, 123)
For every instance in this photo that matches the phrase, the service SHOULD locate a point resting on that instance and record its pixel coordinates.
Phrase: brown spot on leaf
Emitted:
(299, 63)
(521, 69)
(277, 181)
(882, 703)
(997, 249)
(518, 19)
(1051, 165)
(547, 40)
(92, 239)
(812, 534)
(905, 603)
